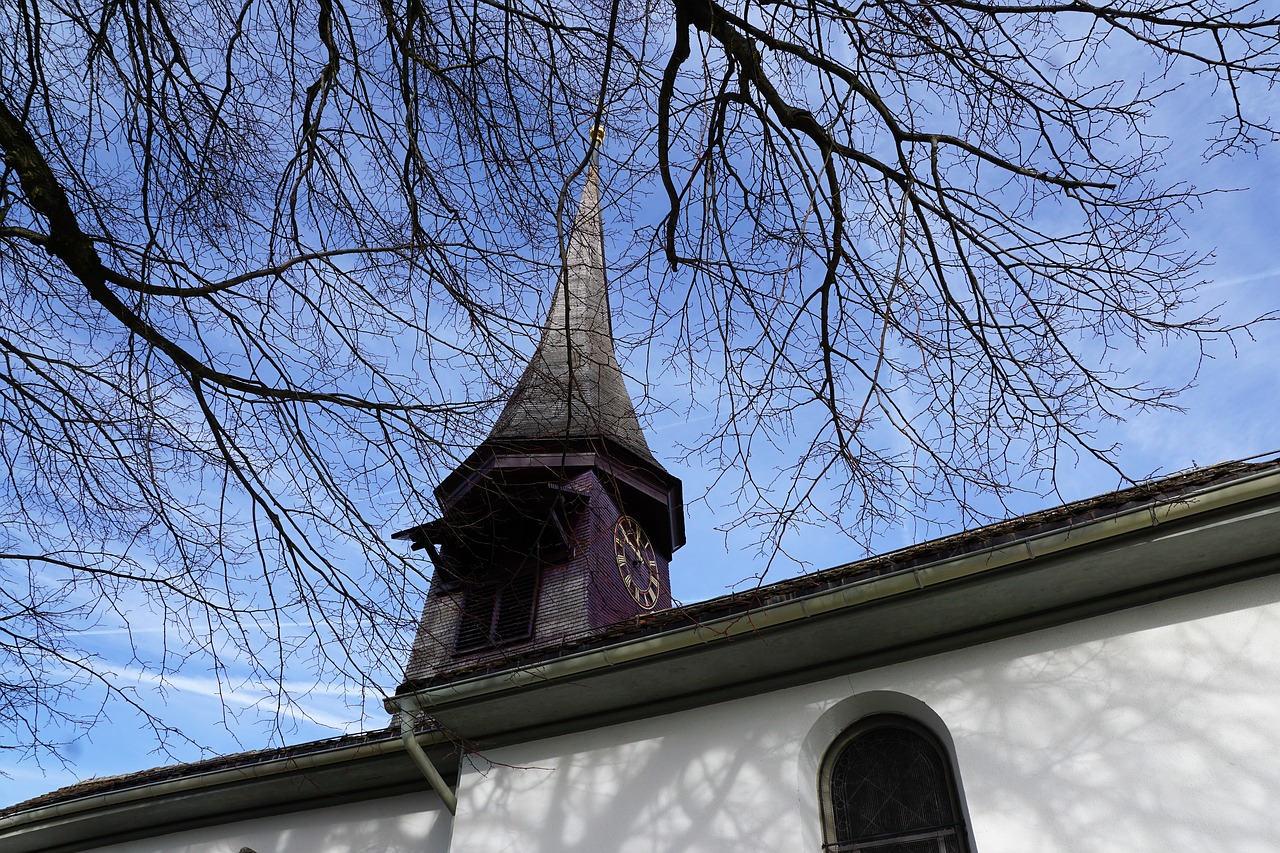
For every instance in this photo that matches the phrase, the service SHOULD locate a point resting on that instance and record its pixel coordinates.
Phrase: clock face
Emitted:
(637, 563)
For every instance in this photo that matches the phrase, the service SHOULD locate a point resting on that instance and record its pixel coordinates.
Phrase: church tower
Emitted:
(562, 521)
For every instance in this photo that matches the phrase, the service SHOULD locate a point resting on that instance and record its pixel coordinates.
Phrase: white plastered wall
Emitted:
(1153, 729)
(410, 823)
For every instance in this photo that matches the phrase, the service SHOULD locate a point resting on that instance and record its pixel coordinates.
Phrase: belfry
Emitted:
(562, 521)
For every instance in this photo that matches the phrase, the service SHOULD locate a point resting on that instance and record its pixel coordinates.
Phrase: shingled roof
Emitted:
(1146, 496)
(573, 386)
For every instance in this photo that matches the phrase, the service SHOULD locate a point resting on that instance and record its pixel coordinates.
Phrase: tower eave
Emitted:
(496, 462)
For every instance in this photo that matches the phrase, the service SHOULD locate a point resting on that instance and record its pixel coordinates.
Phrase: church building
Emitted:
(1101, 676)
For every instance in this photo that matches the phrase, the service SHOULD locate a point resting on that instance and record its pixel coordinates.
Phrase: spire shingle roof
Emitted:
(573, 386)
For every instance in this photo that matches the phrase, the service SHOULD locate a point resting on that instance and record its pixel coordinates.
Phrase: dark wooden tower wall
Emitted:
(574, 596)
(608, 600)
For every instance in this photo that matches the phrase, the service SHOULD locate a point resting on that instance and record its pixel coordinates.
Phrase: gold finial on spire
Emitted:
(597, 135)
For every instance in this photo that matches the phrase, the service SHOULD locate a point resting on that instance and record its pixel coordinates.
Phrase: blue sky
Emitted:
(1230, 413)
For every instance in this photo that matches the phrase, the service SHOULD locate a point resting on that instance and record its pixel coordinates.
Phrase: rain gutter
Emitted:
(213, 779)
(1161, 511)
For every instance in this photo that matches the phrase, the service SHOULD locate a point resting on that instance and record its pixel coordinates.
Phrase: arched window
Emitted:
(887, 787)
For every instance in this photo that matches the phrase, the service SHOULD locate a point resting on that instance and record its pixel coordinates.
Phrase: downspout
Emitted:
(420, 758)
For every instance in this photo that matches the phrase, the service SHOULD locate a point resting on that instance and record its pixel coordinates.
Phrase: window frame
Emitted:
(876, 722)
(486, 609)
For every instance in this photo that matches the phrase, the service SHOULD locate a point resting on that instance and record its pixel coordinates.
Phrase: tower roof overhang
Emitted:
(501, 464)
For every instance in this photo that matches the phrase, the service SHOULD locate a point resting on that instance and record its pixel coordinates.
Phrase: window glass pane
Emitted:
(890, 792)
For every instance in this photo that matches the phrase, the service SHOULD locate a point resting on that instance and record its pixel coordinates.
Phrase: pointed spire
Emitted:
(573, 386)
